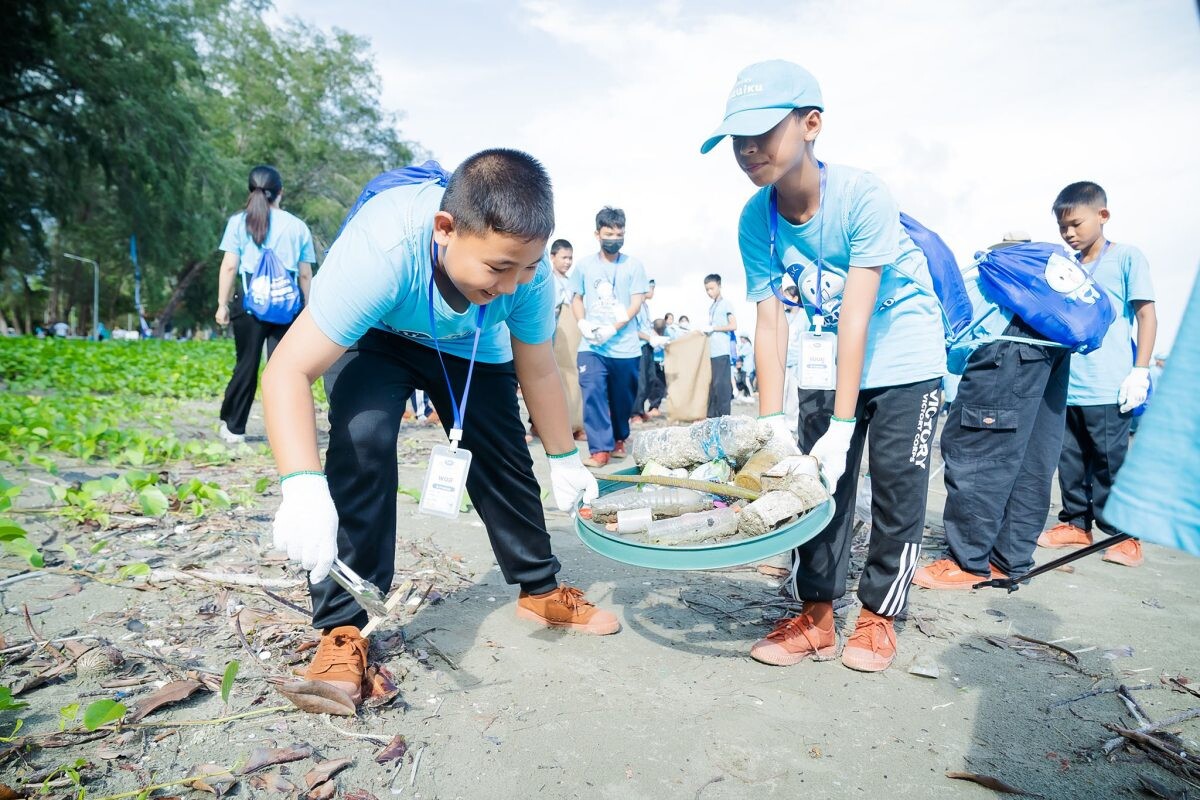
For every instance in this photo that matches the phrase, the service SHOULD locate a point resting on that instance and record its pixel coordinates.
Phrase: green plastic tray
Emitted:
(700, 556)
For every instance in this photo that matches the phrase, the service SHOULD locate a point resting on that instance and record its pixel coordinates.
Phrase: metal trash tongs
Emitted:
(365, 594)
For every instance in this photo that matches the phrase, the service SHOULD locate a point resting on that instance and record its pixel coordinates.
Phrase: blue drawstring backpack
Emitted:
(948, 284)
(404, 176)
(272, 293)
(1044, 285)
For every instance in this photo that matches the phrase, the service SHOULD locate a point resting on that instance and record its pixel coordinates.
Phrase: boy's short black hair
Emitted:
(713, 278)
(1080, 194)
(609, 217)
(560, 244)
(501, 190)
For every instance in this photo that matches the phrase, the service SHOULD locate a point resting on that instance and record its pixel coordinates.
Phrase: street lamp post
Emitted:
(95, 292)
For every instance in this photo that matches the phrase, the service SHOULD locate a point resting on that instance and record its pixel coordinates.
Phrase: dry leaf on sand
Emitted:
(270, 756)
(318, 697)
(325, 770)
(394, 749)
(173, 692)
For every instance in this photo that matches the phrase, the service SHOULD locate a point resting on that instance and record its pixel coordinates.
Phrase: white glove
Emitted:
(659, 342)
(705, 329)
(830, 450)
(620, 318)
(568, 477)
(1134, 389)
(603, 333)
(783, 437)
(587, 328)
(306, 524)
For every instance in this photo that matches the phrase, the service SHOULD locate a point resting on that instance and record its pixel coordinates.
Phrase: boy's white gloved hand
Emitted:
(783, 438)
(587, 328)
(306, 524)
(830, 450)
(1134, 389)
(620, 318)
(705, 329)
(568, 477)
(659, 342)
(603, 333)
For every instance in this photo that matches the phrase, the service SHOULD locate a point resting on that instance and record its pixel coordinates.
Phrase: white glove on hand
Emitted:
(620, 318)
(306, 524)
(783, 438)
(659, 342)
(830, 450)
(568, 477)
(705, 329)
(587, 328)
(603, 333)
(1134, 389)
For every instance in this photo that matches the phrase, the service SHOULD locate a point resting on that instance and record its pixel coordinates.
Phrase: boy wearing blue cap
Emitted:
(609, 288)
(442, 286)
(1107, 383)
(873, 358)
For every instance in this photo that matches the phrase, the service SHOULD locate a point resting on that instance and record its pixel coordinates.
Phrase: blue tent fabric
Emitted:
(1157, 494)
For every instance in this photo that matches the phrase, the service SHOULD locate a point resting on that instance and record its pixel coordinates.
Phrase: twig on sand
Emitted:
(412, 779)
(1096, 692)
(1156, 747)
(230, 578)
(1134, 707)
(393, 602)
(437, 651)
(374, 737)
(708, 783)
(283, 601)
(22, 576)
(1191, 713)
(148, 789)
(1074, 658)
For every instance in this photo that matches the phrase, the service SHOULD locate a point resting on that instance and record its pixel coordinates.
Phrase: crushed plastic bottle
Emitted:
(702, 526)
(667, 501)
(733, 439)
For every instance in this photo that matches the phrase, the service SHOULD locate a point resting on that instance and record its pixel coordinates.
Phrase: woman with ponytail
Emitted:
(251, 237)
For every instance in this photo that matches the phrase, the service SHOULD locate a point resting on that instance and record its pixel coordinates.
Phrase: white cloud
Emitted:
(975, 113)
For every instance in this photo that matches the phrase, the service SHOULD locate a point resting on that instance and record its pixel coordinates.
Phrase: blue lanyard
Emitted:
(456, 431)
(773, 204)
(1097, 259)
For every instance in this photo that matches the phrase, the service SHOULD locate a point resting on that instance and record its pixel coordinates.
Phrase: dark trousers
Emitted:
(651, 383)
(1093, 450)
(720, 388)
(609, 386)
(902, 421)
(1000, 444)
(249, 336)
(368, 388)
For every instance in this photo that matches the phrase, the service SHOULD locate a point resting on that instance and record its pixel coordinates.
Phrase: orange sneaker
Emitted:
(872, 646)
(618, 450)
(945, 573)
(341, 661)
(798, 638)
(1127, 553)
(566, 607)
(596, 460)
(1064, 534)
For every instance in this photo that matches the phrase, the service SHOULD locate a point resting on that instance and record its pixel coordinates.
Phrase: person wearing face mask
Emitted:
(609, 288)
(439, 283)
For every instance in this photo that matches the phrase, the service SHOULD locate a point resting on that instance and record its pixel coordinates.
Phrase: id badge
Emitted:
(818, 360)
(445, 480)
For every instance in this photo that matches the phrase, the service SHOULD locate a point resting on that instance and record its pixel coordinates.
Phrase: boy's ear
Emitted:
(1104, 216)
(443, 227)
(812, 125)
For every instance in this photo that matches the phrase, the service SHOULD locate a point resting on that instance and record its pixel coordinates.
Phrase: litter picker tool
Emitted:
(1012, 584)
(365, 594)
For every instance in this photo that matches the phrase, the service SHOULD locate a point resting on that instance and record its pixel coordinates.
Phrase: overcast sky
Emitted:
(975, 113)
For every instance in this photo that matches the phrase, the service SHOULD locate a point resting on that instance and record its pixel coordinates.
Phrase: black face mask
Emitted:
(612, 246)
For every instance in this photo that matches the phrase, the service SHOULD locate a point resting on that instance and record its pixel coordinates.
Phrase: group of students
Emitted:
(442, 283)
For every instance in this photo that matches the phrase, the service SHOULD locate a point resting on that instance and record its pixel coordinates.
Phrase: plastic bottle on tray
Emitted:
(702, 526)
(665, 502)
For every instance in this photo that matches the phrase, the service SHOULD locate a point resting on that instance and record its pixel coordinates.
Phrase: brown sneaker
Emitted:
(872, 646)
(596, 460)
(798, 638)
(945, 573)
(1064, 534)
(580, 436)
(618, 450)
(1127, 553)
(566, 607)
(341, 661)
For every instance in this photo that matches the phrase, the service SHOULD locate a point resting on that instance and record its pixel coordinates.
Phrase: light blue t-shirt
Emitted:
(859, 223)
(719, 343)
(287, 236)
(606, 289)
(377, 275)
(1096, 377)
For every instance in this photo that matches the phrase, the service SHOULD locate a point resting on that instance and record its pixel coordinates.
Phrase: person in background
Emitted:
(261, 225)
(720, 327)
(1107, 383)
(650, 384)
(562, 256)
(684, 323)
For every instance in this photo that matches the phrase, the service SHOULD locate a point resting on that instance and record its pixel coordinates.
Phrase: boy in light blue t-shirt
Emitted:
(836, 230)
(1107, 383)
(609, 287)
(721, 325)
(444, 286)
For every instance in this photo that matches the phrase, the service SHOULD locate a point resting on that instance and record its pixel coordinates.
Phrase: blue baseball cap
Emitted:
(762, 96)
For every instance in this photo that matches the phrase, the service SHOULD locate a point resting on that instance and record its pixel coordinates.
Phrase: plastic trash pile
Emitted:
(726, 451)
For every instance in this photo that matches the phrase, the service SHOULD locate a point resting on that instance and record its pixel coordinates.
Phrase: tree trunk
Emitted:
(186, 277)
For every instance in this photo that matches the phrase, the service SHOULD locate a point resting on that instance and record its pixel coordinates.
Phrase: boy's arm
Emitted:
(305, 279)
(577, 307)
(1147, 331)
(858, 303)
(635, 305)
(730, 324)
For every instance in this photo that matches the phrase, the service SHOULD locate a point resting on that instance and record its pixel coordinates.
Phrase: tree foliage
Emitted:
(144, 117)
